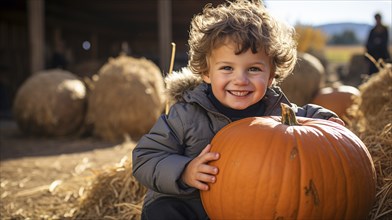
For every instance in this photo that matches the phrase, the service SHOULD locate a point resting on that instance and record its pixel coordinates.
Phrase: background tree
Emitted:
(310, 39)
(347, 37)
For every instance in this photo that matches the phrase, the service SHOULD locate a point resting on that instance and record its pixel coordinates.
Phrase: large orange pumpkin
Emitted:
(337, 99)
(269, 169)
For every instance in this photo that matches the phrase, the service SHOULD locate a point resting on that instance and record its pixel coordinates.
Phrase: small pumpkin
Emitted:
(337, 99)
(290, 168)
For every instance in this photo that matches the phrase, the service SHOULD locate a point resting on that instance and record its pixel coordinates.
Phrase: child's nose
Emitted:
(241, 78)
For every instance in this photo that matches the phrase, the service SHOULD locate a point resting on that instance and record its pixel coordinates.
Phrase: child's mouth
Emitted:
(239, 93)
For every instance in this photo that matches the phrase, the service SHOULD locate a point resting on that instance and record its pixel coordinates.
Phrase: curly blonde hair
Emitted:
(249, 25)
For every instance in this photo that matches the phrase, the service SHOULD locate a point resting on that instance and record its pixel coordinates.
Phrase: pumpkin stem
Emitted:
(288, 115)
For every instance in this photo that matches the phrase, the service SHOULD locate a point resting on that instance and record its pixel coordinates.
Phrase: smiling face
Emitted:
(238, 81)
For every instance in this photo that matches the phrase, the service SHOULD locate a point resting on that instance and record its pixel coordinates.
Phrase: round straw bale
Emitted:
(357, 70)
(320, 55)
(306, 80)
(50, 103)
(126, 98)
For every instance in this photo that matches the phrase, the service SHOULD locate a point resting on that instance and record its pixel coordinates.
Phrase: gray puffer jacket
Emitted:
(161, 155)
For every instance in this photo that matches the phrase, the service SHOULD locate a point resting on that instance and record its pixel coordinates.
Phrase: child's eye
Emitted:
(254, 69)
(228, 68)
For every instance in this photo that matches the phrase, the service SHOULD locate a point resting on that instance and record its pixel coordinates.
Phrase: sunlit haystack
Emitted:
(51, 103)
(306, 80)
(127, 97)
(115, 194)
(371, 120)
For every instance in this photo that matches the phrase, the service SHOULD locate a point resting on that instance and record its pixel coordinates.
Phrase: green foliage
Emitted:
(347, 37)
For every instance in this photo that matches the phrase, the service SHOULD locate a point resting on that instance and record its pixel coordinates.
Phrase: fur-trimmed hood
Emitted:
(180, 81)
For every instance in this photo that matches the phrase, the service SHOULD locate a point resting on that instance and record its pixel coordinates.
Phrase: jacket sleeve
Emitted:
(315, 111)
(158, 159)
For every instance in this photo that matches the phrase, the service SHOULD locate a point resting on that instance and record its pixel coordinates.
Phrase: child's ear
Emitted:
(271, 79)
(206, 78)
(272, 74)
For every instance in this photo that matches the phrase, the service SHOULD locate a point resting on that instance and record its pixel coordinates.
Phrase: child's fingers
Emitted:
(205, 178)
(205, 150)
(337, 120)
(201, 186)
(204, 168)
(206, 156)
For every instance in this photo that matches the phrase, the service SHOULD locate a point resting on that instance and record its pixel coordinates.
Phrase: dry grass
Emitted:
(342, 54)
(115, 194)
(50, 186)
(371, 120)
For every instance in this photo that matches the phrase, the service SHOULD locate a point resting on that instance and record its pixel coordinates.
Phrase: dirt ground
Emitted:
(44, 178)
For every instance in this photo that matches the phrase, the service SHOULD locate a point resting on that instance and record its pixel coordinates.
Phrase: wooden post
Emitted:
(36, 19)
(94, 46)
(165, 33)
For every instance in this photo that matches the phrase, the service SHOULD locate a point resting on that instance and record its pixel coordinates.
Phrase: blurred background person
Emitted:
(377, 43)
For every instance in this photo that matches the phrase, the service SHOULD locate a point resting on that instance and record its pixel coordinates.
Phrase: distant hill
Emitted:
(360, 30)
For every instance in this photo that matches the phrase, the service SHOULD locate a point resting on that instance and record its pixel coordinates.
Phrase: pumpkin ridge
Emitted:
(339, 149)
(341, 165)
(302, 175)
(312, 182)
(342, 150)
(364, 157)
(267, 162)
(292, 165)
(346, 157)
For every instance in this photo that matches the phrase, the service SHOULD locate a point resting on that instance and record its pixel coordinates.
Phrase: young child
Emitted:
(237, 54)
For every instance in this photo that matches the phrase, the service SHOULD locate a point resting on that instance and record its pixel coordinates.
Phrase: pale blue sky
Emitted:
(315, 12)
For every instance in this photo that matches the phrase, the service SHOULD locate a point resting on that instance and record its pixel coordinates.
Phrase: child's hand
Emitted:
(198, 173)
(337, 120)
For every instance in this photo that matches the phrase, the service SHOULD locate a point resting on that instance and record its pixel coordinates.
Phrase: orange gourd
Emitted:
(274, 168)
(337, 99)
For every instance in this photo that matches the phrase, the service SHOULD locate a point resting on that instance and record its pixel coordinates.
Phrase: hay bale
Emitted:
(115, 194)
(126, 98)
(320, 55)
(371, 120)
(306, 80)
(50, 103)
(358, 68)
